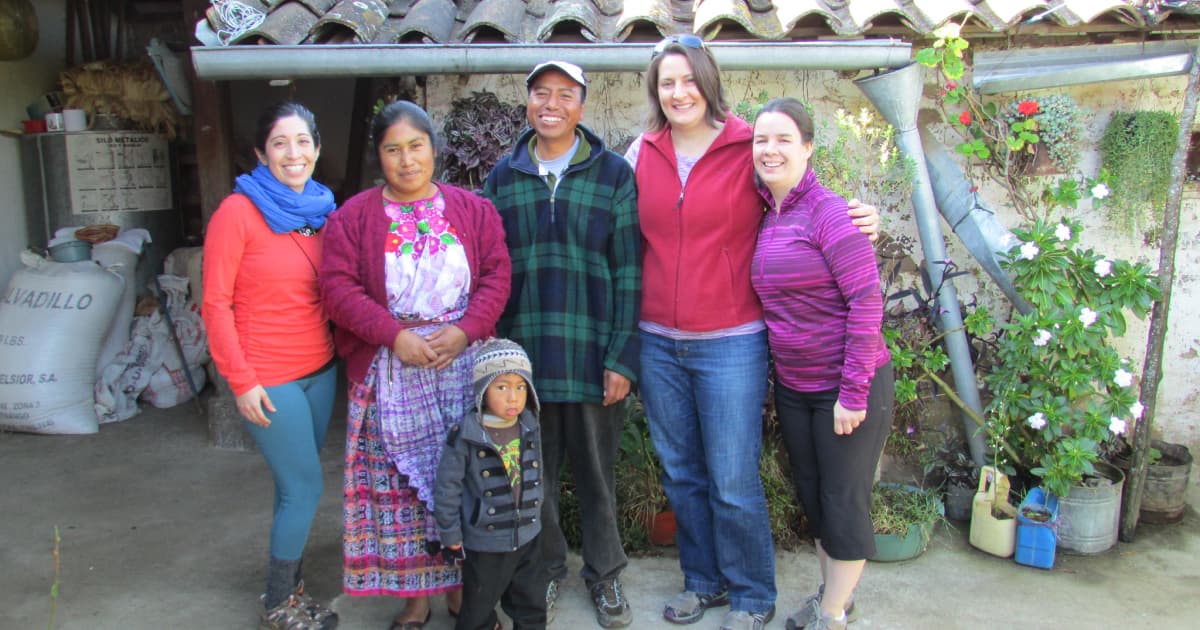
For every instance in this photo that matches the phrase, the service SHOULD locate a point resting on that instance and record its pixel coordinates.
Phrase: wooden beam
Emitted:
(360, 114)
(212, 124)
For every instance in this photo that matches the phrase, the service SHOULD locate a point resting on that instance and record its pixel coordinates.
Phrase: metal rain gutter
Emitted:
(1017, 70)
(347, 61)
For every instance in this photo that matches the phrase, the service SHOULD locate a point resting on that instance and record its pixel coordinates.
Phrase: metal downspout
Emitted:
(897, 96)
(348, 61)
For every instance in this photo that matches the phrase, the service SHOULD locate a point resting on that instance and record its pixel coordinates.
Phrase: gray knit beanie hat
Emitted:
(495, 357)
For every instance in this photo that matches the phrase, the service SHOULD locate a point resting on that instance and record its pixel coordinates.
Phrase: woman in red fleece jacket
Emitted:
(414, 273)
(704, 345)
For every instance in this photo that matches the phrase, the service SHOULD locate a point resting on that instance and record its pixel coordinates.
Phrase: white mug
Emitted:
(74, 119)
(54, 121)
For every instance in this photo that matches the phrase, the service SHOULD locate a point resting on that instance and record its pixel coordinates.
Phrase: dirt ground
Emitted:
(160, 530)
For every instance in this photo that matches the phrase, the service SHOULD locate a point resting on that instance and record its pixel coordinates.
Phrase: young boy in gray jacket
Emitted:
(489, 494)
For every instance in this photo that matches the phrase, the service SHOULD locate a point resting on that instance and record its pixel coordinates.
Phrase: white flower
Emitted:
(1036, 421)
(1137, 409)
(1123, 378)
(1063, 232)
(1087, 317)
(1102, 268)
(1029, 250)
(1043, 337)
(1116, 425)
(1100, 191)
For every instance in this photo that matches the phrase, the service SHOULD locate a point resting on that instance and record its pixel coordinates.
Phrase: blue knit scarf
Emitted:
(284, 209)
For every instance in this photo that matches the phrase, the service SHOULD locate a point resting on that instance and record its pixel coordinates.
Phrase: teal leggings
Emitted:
(291, 446)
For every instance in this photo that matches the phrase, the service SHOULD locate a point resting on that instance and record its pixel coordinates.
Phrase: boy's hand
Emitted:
(454, 555)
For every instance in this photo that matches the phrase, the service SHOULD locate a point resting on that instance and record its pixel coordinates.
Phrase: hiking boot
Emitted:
(612, 611)
(551, 597)
(744, 620)
(689, 606)
(290, 614)
(811, 611)
(327, 619)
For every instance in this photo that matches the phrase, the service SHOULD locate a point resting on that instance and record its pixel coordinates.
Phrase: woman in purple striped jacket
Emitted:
(816, 276)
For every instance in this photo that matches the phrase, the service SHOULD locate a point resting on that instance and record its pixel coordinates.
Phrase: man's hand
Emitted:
(866, 217)
(616, 387)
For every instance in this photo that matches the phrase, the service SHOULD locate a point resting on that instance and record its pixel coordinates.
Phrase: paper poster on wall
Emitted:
(118, 172)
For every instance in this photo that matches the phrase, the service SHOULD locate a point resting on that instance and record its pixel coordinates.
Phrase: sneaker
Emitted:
(825, 622)
(743, 620)
(612, 611)
(689, 606)
(811, 611)
(551, 597)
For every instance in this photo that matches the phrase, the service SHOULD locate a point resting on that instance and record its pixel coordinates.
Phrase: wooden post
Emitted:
(1152, 364)
(360, 113)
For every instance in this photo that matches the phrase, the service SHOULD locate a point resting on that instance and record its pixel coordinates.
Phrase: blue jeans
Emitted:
(704, 401)
(291, 445)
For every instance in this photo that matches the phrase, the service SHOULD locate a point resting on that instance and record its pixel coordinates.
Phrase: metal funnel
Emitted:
(897, 96)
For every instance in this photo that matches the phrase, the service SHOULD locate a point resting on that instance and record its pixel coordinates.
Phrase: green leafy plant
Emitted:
(640, 493)
(895, 507)
(1060, 128)
(857, 157)
(1136, 151)
(478, 131)
(1060, 390)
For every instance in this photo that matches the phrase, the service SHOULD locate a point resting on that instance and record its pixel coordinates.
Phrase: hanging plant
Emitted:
(478, 131)
(1136, 152)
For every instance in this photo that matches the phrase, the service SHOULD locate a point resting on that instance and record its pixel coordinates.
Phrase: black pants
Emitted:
(588, 436)
(834, 473)
(514, 578)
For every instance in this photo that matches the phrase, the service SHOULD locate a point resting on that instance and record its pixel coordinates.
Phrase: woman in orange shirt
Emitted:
(270, 338)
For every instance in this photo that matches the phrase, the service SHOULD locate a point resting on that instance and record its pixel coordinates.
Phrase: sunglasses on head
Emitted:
(689, 41)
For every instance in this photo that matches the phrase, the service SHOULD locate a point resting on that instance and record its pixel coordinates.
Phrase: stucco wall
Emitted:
(616, 106)
(24, 80)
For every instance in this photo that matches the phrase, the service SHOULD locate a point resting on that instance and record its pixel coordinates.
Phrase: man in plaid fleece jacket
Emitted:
(569, 208)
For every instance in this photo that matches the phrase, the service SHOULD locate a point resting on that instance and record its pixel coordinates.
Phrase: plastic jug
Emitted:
(993, 518)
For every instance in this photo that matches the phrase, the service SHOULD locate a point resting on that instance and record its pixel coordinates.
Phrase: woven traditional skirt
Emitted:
(386, 525)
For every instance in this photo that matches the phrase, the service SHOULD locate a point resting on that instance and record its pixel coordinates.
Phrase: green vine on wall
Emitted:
(1136, 151)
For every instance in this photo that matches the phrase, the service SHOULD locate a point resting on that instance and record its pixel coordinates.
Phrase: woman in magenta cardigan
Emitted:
(414, 273)
(819, 286)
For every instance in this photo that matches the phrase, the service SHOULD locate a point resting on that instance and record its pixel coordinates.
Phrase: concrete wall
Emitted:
(24, 80)
(616, 106)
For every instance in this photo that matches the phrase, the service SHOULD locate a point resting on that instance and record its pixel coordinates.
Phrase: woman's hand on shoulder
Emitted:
(845, 421)
(251, 403)
(865, 217)
(448, 342)
(412, 349)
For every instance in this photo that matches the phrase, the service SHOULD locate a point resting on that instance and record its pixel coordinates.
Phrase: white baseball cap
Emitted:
(565, 67)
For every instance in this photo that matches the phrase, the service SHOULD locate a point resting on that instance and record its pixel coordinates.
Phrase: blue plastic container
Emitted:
(1036, 541)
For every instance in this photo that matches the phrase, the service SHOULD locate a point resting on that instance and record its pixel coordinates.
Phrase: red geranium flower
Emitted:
(1027, 108)
(964, 118)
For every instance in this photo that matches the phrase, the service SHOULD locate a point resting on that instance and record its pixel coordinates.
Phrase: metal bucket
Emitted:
(71, 251)
(1089, 516)
(1164, 495)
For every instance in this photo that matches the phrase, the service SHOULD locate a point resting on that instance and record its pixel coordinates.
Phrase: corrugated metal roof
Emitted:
(309, 22)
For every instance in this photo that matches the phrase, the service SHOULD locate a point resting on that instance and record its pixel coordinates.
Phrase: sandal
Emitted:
(397, 624)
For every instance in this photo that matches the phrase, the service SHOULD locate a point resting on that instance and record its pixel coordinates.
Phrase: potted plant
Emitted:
(645, 513)
(1037, 522)
(958, 477)
(1061, 392)
(904, 517)
(1164, 495)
